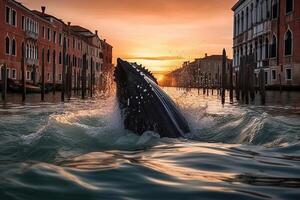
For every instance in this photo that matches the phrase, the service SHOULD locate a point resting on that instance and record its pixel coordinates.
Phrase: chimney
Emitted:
(69, 23)
(43, 9)
(205, 55)
(96, 32)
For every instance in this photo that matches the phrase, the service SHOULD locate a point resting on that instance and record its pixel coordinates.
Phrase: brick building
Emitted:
(43, 34)
(202, 72)
(270, 31)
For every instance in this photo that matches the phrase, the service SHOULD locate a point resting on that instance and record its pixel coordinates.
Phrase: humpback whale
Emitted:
(144, 105)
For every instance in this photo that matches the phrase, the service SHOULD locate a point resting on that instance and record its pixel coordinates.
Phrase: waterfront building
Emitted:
(269, 30)
(202, 72)
(41, 35)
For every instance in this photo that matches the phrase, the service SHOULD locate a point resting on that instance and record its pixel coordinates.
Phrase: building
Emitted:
(42, 35)
(270, 31)
(202, 72)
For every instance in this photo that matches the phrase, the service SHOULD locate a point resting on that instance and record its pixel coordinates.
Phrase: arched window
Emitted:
(274, 9)
(48, 56)
(238, 24)
(242, 22)
(288, 41)
(13, 47)
(27, 50)
(267, 48)
(289, 4)
(274, 47)
(7, 45)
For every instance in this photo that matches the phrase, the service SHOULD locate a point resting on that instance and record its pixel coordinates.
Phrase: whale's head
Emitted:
(144, 105)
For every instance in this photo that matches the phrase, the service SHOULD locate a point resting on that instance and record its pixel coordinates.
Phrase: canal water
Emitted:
(79, 150)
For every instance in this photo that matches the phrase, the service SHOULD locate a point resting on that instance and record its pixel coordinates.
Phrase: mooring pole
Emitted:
(83, 74)
(262, 87)
(23, 74)
(63, 76)
(54, 73)
(69, 79)
(91, 78)
(4, 82)
(224, 59)
(43, 76)
(230, 83)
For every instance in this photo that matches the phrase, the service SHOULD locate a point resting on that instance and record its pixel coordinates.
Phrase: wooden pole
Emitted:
(91, 78)
(69, 79)
(23, 74)
(63, 82)
(43, 76)
(224, 59)
(262, 86)
(83, 74)
(230, 83)
(54, 73)
(252, 81)
(4, 82)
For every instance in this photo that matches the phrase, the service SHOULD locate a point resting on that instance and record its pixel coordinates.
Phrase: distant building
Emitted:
(270, 31)
(202, 72)
(40, 32)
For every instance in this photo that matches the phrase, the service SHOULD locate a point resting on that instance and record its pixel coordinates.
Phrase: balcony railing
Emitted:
(31, 61)
(31, 35)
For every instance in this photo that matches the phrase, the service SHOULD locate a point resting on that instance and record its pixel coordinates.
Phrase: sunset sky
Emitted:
(160, 34)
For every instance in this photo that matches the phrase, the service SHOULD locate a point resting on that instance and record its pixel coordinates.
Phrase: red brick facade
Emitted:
(40, 32)
(286, 63)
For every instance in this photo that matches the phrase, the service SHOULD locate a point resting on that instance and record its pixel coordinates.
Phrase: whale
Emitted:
(144, 106)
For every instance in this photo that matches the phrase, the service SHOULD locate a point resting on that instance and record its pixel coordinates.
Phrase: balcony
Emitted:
(31, 35)
(31, 61)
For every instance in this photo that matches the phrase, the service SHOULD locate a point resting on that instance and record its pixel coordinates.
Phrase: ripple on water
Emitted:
(79, 150)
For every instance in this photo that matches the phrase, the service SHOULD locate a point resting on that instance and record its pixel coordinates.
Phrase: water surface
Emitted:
(79, 150)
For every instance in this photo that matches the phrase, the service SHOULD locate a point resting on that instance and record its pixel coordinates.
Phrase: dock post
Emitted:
(23, 74)
(262, 87)
(63, 74)
(224, 59)
(54, 72)
(69, 80)
(91, 78)
(4, 81)
(43, 76)
(230, 83)
(83, 74)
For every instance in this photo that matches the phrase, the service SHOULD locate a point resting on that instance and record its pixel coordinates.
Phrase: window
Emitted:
(14, 74)
(288, 43)
(14, 18)
(7, 15)
(48, 77)
(274, 9)
(13, 47)
(274, 47)
(60, 39)
(7, 46)
(267, 48)
(23, 23)
(8, 73)
(48, 55)
(59, 77)
(288, 74)
(54, 36)
(274, 75)
(28, 75)
(289, 4)
(266, 78)
(49, 34)
(60, 58)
